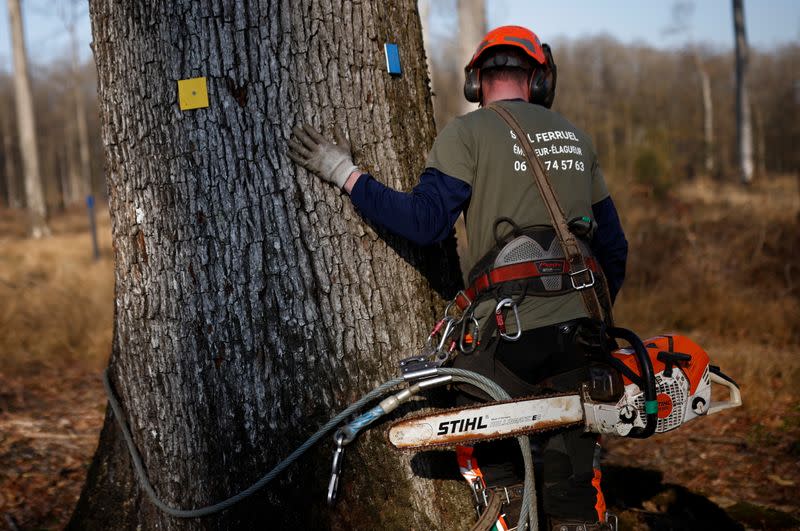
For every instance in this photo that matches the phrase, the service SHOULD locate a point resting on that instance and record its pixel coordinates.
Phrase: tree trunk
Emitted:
(708, 114)
(9, 168)
(80, 182)
(26, 122)
(761, 143)
(251, 301)
(744, 132)
(471, 29)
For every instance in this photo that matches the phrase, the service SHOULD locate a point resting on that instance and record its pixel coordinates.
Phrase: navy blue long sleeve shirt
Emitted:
(609, 244)
(426, 215)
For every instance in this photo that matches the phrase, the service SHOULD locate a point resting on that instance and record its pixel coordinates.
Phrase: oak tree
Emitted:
(252, 302)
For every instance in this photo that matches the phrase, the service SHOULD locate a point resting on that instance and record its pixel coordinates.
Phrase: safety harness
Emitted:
(528, 261)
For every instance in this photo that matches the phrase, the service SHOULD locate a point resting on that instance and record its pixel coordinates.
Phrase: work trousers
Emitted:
(568, 479)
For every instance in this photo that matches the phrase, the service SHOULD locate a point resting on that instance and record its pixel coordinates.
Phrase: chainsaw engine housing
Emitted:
(683, 388)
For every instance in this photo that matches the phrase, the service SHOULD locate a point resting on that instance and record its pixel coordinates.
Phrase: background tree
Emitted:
(26, 122)
(471, 29)
(251, 300)
(10, 176)
(744, 131)
(81, 171)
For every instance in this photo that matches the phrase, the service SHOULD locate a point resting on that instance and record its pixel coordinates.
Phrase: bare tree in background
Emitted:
(682, 12)
(9, 168)
(708, 113)
(80, 176)
(744, 131)
(26, 123)
(471, 29)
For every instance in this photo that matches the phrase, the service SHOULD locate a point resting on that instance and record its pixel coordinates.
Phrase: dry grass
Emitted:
(56, 301)
(722, 264)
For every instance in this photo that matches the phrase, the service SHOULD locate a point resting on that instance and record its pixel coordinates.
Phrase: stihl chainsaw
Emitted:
(651, 387)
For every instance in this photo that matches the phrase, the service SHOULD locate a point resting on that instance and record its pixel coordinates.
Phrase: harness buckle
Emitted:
(584, 285)
(501, 322)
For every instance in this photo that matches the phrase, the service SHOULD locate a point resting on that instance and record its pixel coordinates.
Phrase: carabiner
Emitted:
(465, 332)
(448, 329)
(501, 326)
(336, 468)
(436, 329)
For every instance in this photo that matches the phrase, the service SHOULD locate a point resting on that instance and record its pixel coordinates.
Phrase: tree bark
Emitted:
(252, 302)
(744, 131)
(26, 122)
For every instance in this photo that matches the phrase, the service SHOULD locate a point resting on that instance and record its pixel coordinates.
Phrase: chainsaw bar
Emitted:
(486, 422)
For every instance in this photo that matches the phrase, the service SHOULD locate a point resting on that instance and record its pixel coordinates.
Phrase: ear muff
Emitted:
(472, 84)
(543, 81)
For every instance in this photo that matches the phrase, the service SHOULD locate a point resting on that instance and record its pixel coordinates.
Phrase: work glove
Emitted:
(314, 152)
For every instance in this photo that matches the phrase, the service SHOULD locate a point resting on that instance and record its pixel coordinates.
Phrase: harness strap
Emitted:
(513, 272)
(577, 262)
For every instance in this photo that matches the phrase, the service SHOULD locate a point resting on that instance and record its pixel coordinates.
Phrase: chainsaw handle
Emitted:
(734, 395)
(648, 381)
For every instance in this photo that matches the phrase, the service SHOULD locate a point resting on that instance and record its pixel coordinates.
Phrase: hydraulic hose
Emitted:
(528, 511)
(269, 476)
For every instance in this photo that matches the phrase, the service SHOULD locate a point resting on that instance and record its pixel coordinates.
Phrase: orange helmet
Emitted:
(516, 36)
(542, 81)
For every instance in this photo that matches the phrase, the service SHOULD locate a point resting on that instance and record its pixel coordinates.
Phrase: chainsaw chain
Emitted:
(466, 442)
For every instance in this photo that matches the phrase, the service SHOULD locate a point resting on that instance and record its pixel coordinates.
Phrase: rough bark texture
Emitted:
(26, 122)
(252, 301)
(744, 131)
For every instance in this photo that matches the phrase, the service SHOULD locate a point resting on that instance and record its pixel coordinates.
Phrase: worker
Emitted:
(476, 166)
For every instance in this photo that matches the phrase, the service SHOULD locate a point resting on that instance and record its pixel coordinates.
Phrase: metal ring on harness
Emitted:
(464, 332)
(585, 285)
(498, 312)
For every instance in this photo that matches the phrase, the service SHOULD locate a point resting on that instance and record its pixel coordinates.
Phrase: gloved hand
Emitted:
(314, 152)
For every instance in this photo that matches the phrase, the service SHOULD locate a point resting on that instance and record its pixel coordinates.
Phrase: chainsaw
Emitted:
(653, 386)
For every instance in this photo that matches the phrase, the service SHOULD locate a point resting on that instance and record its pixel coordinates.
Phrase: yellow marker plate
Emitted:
(192, 93)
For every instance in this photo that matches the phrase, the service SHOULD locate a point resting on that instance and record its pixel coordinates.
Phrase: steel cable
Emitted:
(459, 375)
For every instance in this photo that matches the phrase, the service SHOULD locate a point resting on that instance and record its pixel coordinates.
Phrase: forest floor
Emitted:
(738, 469)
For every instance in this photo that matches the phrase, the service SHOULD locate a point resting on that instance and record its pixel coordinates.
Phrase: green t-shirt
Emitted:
(480, 149)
